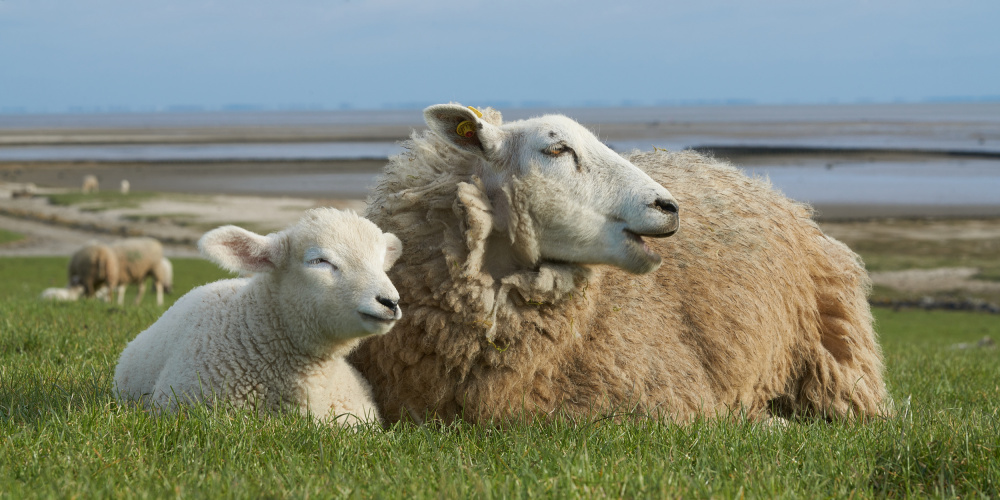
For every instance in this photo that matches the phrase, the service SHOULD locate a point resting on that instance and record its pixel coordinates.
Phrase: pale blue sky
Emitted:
(145, 55)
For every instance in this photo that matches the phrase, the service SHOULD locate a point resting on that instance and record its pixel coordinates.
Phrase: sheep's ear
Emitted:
(241, 251)
(464, 128)
(393, 249)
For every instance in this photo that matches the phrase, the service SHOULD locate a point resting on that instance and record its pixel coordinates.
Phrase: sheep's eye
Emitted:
(316, 262)
(557, 150)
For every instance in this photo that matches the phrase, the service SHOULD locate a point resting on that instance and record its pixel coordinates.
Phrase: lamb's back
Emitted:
(180, 333)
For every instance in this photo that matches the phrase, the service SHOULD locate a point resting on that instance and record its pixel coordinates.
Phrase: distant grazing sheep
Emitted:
(125, 186)
(93, 266)
(90, 184)
(277, 339)
(139, 259)
(537, 282)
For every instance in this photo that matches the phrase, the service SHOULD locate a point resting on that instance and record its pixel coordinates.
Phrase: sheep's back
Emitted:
(137, 258)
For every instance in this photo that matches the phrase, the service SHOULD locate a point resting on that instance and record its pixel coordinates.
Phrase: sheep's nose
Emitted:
(665, 205)
(389, 303)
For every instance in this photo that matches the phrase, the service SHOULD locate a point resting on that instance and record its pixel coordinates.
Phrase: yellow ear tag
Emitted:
(476, 111)
(466, 129)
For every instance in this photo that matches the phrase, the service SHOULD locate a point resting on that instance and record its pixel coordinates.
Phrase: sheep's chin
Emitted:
(374, 325)
(638, 258)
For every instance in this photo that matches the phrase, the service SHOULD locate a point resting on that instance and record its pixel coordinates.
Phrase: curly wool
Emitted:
(753, 310)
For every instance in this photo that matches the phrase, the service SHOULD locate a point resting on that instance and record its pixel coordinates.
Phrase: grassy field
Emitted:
(62, 433)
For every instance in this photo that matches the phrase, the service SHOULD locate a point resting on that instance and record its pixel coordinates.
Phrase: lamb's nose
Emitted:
(391, 304)
(668, 206)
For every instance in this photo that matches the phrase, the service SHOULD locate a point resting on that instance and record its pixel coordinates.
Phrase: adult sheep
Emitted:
(139, 258)
(535, 283)
(276, 339)
(92, 267)
(90, 184)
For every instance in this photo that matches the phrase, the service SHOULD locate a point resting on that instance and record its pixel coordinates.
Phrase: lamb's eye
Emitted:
(316, 262)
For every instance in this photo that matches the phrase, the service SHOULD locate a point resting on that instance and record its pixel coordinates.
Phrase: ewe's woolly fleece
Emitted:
(753, 310)
(239, 340)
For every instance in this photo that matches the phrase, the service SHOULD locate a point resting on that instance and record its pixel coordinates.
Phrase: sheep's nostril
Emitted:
(668, 206)
(390, 304)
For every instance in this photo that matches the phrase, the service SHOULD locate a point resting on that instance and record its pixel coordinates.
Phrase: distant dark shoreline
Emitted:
(351, 179)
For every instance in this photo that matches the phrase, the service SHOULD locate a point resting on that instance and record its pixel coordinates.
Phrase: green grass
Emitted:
(104, 200)
(9, 236)
(888, 255)
(62, 433)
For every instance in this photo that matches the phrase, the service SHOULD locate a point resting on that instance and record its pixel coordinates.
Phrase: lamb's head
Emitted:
(329, 268)
(582, 202)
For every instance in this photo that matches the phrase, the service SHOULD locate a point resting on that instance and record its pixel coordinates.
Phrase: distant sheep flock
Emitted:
(102, 270)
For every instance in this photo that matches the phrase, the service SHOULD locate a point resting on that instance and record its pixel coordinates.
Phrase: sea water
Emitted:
(963, 137)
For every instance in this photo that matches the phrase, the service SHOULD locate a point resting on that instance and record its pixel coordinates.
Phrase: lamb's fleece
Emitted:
(754, 310)
(93, 266)
(277, 339)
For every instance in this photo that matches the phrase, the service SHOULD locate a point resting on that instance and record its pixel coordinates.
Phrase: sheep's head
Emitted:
(329, 268)
(584, 202)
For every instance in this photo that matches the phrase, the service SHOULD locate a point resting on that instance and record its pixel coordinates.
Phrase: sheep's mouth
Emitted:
(377, 319)
(637, 240)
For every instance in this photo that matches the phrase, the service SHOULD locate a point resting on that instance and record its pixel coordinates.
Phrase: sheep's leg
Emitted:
(142, 291)
(159, 293)
(121, 295)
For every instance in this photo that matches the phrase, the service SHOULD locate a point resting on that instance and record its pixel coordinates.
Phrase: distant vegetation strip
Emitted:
(9, 236)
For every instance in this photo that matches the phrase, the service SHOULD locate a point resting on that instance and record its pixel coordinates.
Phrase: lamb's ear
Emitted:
(238, 250)
(393, 249)
(464, 127)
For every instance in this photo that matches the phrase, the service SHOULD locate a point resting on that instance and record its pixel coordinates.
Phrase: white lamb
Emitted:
(67, 294)
(276, 339)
